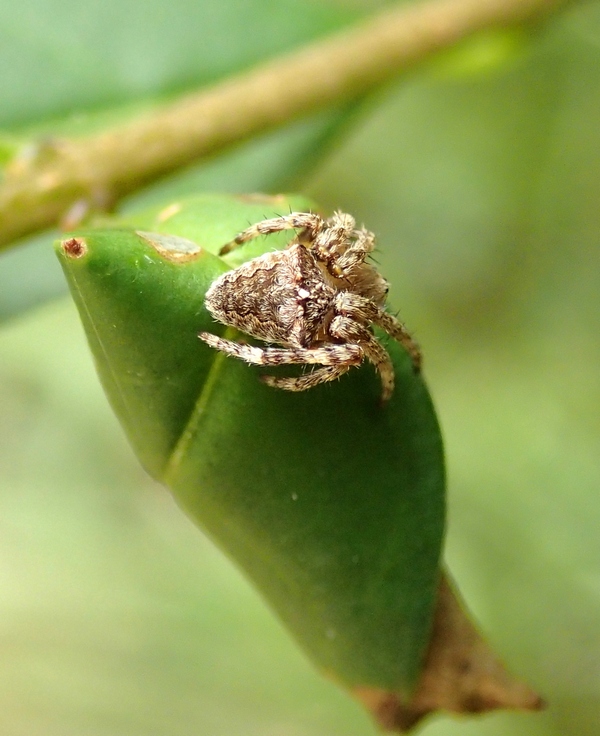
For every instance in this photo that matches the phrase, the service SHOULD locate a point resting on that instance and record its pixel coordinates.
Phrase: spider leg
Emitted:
(366, 311)
(342, 247)
(398, 331)
(309, 222)
(348, 330)
(357, 251)
(331, 240)
(308, 380)
(324, 354)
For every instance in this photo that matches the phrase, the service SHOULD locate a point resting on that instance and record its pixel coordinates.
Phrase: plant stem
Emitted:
(35, 194)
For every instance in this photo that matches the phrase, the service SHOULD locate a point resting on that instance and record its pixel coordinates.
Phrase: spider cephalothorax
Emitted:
(317, 299)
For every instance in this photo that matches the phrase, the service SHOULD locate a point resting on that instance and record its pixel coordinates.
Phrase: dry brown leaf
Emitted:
(461, 674)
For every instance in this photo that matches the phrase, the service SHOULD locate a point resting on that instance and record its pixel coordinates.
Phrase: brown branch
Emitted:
(36, 194)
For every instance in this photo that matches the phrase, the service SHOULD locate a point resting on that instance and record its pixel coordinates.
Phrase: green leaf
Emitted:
(333, 505)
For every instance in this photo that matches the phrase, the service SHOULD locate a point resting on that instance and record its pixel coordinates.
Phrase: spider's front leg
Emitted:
(359, 246)
(398, 331)
(347, 329)
(365, 311)
(309, 222)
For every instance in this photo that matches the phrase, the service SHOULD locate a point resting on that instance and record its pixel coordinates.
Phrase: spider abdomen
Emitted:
(280, 297)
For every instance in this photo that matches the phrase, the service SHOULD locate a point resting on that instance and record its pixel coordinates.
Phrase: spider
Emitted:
(317, 298)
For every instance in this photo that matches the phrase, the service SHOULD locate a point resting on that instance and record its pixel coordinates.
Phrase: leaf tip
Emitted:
(74, 247)
(461, 674)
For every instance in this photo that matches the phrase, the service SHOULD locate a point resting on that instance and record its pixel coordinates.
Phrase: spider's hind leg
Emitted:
(308, 380)
(328, 355)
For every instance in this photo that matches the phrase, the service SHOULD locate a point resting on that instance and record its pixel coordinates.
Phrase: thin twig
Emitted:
(115, 162)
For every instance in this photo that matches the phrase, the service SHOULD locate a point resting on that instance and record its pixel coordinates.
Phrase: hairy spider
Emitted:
(317, 298)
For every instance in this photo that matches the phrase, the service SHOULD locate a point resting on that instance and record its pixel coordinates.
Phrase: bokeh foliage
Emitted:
(482, 183)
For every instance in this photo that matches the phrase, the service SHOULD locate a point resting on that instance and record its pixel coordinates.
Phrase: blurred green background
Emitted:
(481, 176)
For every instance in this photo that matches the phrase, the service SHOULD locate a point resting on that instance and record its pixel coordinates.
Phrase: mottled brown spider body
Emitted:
(317, 299)
(298, 304)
